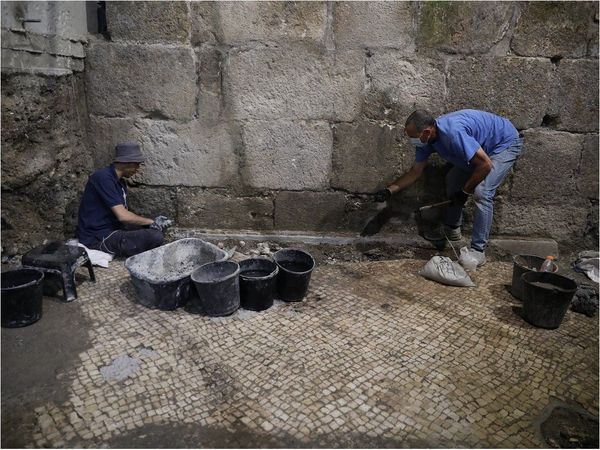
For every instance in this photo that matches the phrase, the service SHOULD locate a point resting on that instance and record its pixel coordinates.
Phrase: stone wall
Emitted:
(283, 115)
(45, 160)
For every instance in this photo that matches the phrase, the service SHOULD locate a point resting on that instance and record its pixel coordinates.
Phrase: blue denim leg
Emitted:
(486, 190)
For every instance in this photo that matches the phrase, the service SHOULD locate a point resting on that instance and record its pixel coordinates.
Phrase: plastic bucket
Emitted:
(218, 288)
(295, 268)
(258, 283)
(546, 298)
(524, 264)
(22, 291)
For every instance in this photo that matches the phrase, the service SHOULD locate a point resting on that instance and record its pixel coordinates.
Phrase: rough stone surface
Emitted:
(199, 208)
(287, 155)
(300, 82)
(151, 202)
(512, 247)
(191, 154)
(150, 22)
(263, 22)
(516, 88)
(398, 86)
(44, 157)
(136, 80)
(365, 155)
(105, 133)
(575, 96)
(374, 24)
(587, 181)
(309, 211)
(462, 27)
(559, 221)
(548, 167)
(553, 29)
(210, 105)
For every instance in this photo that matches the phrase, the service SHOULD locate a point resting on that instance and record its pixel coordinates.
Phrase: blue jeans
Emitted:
(483, 195)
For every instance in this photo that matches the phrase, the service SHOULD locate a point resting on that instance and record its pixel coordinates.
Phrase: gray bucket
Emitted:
(218, 288)
(524, 264)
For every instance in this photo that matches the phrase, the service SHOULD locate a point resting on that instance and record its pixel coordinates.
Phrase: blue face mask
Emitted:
(417, 142)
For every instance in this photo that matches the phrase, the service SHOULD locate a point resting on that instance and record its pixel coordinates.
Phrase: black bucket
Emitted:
(218, 288)
(546, 298)
(295, 268)
(21, 297)
(525, 264)
(258, 283)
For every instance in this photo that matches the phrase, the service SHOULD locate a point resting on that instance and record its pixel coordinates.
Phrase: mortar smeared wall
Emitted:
(281, 115)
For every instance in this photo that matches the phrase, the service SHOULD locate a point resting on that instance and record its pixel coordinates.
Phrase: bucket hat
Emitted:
(126, 152)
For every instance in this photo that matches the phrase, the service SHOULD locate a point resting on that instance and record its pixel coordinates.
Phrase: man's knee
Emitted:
(483, 195)
(155, 238)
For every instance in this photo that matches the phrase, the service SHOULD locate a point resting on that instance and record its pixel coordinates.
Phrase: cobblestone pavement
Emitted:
(374, 356)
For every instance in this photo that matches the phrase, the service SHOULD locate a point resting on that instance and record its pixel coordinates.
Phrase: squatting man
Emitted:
(482, 147)
(105, 222)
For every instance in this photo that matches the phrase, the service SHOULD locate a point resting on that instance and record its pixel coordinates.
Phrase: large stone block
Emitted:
(365, 156)
(145, 21)
(309, 211)
(587, 181)
(398, 86)
(562, 222)
(574, 105)
(374, 24)
(516, 88)
(298, 82)
(199, 208)
(553, 29)
(462, 27)
(191, 154)
(105, 133)
(237, 23)
(147, 81)
(287, 155)
(548, 167)
(210, 61)
(153, 201)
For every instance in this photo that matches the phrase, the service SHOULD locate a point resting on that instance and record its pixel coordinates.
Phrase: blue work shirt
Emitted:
(460, 134)
(96, 219)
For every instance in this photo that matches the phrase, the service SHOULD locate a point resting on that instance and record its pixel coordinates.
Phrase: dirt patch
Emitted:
(36, 364)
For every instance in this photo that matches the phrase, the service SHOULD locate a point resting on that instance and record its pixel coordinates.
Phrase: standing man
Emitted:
(482, 147)
(105, 222)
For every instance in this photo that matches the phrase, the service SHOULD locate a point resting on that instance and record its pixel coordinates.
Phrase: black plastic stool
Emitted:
(61, 260)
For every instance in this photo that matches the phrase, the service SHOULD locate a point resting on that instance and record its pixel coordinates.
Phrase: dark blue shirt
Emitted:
(460, 134)
(96, 219)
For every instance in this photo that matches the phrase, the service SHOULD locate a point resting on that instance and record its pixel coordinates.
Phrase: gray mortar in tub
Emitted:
(173, 261)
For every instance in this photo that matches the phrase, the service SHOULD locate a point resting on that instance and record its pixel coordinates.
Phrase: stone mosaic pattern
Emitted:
(374, 350)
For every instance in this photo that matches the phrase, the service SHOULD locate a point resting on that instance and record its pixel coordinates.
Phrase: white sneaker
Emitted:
(471, 259)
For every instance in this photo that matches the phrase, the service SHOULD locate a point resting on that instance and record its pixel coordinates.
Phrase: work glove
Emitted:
(161, 223)
(459, 197)
(382, 195)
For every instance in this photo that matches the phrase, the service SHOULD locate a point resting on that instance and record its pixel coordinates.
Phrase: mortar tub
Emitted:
(21, 297)
(258, 283)
(161, 276)
(524, 264)
(295, 269)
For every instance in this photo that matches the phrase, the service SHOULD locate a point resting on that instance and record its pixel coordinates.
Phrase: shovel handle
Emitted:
(435, 205)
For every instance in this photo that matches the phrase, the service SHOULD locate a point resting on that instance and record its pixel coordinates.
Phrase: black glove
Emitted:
(161, 223)
(459, 197)
(382, 195)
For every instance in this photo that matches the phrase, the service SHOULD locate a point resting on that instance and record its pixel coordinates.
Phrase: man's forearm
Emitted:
(403, 182)
(130, 218)
(476, 177)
